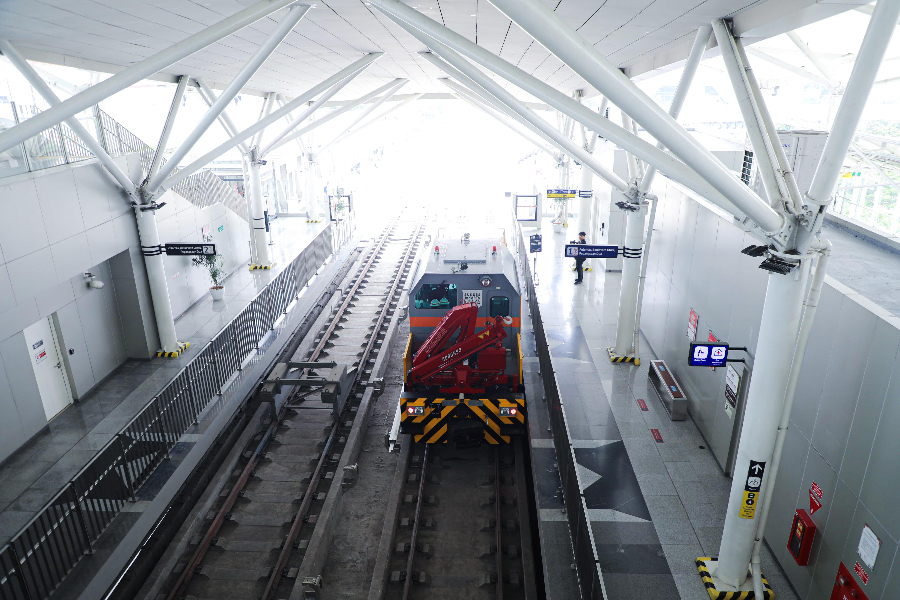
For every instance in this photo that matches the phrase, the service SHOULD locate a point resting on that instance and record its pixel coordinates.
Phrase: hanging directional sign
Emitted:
(589, 251)
(562, 193)
(190, 249)
(536, 242)
(708, 355)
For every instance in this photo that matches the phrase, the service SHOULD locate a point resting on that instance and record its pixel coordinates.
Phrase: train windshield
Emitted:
(499, 306)
(437, 295)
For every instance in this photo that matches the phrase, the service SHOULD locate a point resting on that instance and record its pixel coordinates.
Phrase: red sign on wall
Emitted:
(863, 576)
(692, 326)
(816, 489)
(814, 503)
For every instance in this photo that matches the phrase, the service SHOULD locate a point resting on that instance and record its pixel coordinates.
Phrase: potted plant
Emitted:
(215, 266)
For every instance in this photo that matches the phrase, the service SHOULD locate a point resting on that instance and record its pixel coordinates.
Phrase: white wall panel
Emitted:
(59, 203)
(71, 256)
(23, 384)
(22, 226)
(32, 274)
(12, 435)
(78, 364)
(94, 191)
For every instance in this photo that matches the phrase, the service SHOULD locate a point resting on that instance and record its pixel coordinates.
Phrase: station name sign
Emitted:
(190, 249)
(713, 354)
(589, 251)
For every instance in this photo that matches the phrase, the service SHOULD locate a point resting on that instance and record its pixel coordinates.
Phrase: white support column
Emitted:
(133, 74)
(156, 275)
(771, 369)
(53, 100)
(312, 188)
(263, 113)
(281, 102)
(170, 123)
(817, 62)
(631, 277)
(260, 243)
(586, 194)
(408, 100)
(281, 31)
(778, 332)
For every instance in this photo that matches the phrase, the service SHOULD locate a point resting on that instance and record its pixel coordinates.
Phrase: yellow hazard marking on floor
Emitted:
(715, 594)
(622, 359)
(182, 347)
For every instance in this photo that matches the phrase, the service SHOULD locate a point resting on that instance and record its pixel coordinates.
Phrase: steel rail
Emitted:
(498, 534)
(407, 583)
(284, 555)
(202, 548)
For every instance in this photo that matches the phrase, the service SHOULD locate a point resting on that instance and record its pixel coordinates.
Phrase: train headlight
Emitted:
(508, 411)
(416, 410)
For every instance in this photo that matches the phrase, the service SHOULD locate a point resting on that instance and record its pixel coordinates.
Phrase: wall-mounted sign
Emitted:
(37, 344)
(190, 249)
(40, 357)
(868, 548)
(589, 251)
(221, 228)
(693, 319)
(732, 385)
(751, 489)
(562, 193)
(536, 242)
(206, 230)
(472, 296)
(863, 576)
(708, 355)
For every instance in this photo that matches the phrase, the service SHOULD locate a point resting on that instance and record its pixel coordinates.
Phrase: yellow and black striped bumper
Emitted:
(443, 418)
(715, 594)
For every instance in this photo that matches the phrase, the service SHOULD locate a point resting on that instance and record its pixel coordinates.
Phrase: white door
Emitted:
(49, 369)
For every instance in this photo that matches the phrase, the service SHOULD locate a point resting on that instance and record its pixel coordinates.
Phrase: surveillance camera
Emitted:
(95, 284)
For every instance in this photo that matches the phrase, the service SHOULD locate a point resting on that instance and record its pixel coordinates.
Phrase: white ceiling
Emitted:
(637, 35)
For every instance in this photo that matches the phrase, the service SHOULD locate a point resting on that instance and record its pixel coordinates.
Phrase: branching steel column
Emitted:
(332, 115)
(398, 106)
(263, 113)
(53, 100)
(762, 150)
(552, 32)
(262, 53)
(387, 96)
(788, 67)
(833, 83)
(325, 86)
(565, 144)
(133, 74)
(466, 95)
(210, 97)
(281, 102)
(681, 92)
(170, 123)
(412, 20)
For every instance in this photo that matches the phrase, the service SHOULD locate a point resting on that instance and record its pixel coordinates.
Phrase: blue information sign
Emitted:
(589, 251)
(708, 355)
(536, 242)
(562, 193)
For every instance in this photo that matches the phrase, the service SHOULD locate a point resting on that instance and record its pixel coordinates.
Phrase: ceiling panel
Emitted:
(336, 32)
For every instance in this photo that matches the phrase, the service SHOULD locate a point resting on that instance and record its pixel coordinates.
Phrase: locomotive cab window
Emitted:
(499, 306)
(437, 295)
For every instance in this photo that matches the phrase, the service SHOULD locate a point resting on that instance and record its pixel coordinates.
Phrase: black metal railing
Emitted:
(586, 559)
(38, 558)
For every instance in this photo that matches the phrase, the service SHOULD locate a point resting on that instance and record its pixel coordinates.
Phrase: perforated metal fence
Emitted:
(586, 559)
(40, 556)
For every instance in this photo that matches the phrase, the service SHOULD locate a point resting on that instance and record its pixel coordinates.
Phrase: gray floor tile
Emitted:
(690, 586)
(692, 492)
(676, 531)
(665, 507)
(30, 472)
(656, 485)
(682, 558)
(682, 471)
(710, 538)
(11, 521)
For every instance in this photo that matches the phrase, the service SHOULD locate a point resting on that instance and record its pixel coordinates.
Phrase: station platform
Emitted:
(654, 506)
(37, 471)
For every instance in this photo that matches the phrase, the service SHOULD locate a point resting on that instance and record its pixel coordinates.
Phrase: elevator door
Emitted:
(48, 366)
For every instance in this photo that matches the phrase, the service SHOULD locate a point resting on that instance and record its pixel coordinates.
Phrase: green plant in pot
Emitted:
(215, 266)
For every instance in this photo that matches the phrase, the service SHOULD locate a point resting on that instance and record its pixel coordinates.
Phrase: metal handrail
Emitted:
(587, 566)
(38, 558)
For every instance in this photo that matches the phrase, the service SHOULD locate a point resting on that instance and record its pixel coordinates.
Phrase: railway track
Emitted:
(463, 529)
(271, 528)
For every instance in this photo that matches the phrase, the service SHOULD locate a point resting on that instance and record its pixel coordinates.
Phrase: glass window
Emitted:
(499, 306)
(437, 295)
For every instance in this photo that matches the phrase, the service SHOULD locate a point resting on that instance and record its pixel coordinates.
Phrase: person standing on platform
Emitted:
(579, 260)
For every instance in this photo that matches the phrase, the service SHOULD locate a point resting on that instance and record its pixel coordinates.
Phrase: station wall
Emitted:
(847, 409)
(59, 223)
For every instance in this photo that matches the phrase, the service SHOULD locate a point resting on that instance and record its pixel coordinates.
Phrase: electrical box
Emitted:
(846, 587)
(803, 530)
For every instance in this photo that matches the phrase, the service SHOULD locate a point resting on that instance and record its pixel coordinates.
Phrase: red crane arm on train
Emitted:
(430, 363)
